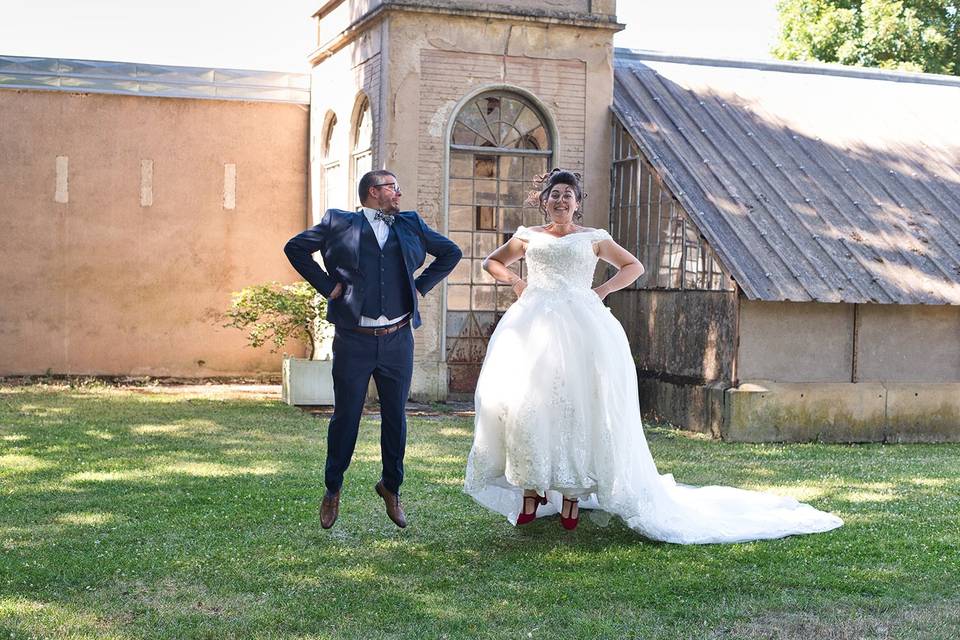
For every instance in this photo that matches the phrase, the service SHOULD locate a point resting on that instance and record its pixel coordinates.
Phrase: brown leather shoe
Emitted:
(394, 508)
(329, 509)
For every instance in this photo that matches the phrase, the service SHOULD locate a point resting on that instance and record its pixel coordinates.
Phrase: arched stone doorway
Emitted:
(499, 143)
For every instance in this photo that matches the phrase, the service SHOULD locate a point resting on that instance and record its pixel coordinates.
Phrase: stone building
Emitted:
(466, 102)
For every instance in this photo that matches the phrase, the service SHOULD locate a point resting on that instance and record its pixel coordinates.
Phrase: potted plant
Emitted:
(274, 312)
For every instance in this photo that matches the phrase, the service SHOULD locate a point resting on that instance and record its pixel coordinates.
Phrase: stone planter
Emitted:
(307, 382)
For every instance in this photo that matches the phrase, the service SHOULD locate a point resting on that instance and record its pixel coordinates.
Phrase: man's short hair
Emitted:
(369, 179)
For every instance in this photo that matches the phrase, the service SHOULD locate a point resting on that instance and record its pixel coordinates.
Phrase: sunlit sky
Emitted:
(243, 34)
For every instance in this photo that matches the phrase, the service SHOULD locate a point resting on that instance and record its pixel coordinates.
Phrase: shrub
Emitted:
(274, 312)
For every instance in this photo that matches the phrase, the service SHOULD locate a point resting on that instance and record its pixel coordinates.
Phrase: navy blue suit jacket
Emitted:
(337, 238)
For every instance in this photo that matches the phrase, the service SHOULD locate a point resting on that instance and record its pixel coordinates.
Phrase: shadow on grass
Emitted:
(131, 515)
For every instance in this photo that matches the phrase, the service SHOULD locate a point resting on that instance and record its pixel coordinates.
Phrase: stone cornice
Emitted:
(377, 14)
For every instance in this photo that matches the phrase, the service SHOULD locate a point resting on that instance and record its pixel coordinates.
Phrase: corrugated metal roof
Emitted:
(811, 182)
(132, 78)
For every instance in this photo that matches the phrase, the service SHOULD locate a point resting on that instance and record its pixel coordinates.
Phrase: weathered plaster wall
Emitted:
(836, 372)
(766, 411)
(128, 275)
(908, 343)
(795, 341)
(428, 63)
(568, 71)
(814, 342)
(683, 344)
(338, 84)
(687, 335)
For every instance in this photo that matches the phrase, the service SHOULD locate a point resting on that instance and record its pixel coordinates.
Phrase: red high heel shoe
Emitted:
(570, 523)
(525, 517)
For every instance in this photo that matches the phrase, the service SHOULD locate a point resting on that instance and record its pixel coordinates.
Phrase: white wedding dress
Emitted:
(557, 411)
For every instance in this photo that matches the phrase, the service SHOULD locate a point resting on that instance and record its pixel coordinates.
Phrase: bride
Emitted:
(557, 417)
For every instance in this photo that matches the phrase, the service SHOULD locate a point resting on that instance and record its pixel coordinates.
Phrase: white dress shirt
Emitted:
(382, 230)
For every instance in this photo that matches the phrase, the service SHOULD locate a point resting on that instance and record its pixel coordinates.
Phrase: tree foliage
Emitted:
(275, 312)
(910, 35)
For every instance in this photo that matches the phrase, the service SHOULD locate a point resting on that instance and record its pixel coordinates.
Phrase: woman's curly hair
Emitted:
(544, 183)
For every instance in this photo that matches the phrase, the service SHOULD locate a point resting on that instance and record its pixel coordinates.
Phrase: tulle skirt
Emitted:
(557, 411)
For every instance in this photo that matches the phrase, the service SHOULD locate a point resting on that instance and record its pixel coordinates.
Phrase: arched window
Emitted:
(361, 155)
(333, 187)
(499, 143)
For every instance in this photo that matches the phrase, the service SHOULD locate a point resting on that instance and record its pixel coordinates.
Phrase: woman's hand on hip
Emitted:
(518, 287)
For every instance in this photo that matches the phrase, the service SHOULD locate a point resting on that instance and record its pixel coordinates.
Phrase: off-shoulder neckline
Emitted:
(590, 230)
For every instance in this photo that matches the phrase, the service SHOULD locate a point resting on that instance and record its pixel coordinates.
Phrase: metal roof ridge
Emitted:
(153, 80)
(152, 65)
(811, 68)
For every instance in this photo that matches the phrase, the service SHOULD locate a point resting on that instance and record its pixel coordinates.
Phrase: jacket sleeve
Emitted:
(300, 250)
(446, 256)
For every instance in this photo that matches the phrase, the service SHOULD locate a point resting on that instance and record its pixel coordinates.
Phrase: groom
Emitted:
(369, 260)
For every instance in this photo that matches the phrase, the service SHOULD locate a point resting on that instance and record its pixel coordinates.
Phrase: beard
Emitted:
(389, 207)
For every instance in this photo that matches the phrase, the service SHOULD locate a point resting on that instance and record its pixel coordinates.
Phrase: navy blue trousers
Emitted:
(356, 357)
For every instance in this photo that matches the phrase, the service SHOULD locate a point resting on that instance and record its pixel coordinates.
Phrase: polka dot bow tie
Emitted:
(386, 217)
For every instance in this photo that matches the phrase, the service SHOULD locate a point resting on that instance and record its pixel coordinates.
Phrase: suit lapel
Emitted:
(356, 226)
(404, 238)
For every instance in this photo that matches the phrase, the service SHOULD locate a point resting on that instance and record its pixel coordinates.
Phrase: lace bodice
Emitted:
(557, 264)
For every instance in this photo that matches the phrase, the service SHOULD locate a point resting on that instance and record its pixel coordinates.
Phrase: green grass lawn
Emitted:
(131, 514)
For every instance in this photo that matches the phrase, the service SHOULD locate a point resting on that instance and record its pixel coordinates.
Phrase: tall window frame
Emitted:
(648, 220)
(361, 143)
(330, 163)
(500, 140)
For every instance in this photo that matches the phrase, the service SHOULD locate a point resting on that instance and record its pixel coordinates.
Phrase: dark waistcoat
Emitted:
(386, 290)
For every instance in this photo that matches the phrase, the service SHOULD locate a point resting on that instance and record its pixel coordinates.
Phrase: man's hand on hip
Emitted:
(337, 290)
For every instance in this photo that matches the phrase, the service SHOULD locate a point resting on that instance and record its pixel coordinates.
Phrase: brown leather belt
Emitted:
(382, 331)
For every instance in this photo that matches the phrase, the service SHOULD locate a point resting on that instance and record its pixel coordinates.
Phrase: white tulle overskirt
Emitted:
(557, 411)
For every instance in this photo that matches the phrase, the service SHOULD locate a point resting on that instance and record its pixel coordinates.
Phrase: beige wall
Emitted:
(567, 69)
(813, 342)
(337, 15)
(908, 343)
(799, 379)
(103, 285)
(795, 341)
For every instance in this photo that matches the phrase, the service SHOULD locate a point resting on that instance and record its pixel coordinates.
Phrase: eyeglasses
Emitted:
(389, 185)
